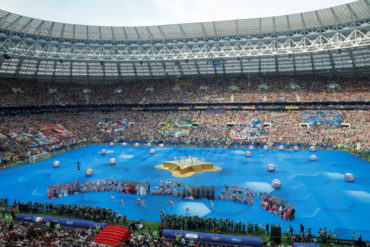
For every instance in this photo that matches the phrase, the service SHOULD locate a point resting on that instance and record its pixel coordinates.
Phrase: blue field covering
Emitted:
(321, 195)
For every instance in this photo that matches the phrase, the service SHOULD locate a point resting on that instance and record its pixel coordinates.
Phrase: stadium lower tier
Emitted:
(21, 135)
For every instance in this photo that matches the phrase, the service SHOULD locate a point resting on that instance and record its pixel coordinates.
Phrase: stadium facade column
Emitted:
(312, 63)
(19, 64)
(37, 68)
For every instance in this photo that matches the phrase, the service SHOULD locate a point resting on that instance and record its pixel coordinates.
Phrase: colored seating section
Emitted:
(112, 235)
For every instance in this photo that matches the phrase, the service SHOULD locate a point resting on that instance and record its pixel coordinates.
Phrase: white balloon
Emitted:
(89, 172)
(56, 164)
(276, 183)
(137, 144)
(112, 161)
(313, 157)
(152, 151)
(248, 153)
(349, 177)
(271, 167)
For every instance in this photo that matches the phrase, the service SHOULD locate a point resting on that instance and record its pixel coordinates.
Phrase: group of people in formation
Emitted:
(236, 194)
(277, 206)
(167, 188)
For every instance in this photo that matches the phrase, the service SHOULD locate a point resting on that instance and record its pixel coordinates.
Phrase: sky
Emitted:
(158, 12)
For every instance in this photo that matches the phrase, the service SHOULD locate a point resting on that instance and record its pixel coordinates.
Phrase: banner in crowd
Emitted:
(186, 83)
(176, 128)
(217, 62)
(112, 125)
(323, 118)
(40, 135)
(56, 130)
(249, 131)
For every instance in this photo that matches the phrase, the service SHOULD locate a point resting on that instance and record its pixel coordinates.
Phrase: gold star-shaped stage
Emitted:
(186, 167)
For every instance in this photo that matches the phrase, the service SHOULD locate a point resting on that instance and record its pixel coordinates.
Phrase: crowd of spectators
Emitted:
(209, 127)
(15, 234)
(257, 89)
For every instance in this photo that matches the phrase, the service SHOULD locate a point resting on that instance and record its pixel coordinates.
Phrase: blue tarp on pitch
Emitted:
(305, 245)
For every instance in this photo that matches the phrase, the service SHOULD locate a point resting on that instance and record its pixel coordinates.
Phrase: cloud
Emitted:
(155, 12)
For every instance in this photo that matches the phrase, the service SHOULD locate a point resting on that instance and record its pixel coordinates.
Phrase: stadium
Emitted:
(245, 132)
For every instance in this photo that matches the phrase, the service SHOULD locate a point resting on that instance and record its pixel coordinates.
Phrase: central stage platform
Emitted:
(186, 167)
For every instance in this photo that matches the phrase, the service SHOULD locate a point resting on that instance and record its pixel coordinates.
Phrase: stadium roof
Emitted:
(345, 13)
(332, 40)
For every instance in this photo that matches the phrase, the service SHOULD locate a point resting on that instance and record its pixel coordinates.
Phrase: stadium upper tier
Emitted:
(313, 19)
(333, 40)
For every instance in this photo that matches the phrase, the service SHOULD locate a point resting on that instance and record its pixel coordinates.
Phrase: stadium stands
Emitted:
(300, 79)
(216, 90)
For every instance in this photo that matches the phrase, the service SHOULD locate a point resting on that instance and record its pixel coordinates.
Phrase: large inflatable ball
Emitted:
(276, 183)
(349, 177)
(56, 164)
(271, 167)
(313, 157)
(312, 148)
(265, 147)
(124, 144)
(103, 152)
(152, 151)
(295, 148)
(251, 147)
(248, 153)
(281, 147)
(111, 144)
(161, 145)
(137, 144)
(89, 172)
(149, 145)
(112, 161)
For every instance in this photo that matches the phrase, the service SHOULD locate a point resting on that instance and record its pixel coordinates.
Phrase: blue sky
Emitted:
(156, 12)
